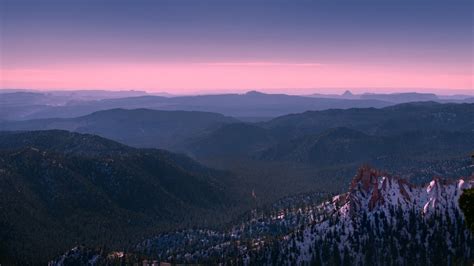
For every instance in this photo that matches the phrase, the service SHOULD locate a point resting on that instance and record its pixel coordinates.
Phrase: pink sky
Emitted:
(190, 46)
(181, 78)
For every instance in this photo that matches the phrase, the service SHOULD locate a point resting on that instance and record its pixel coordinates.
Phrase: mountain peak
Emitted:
(254, 92)
(365, 179)
(380, 208)
(371, 189)
(366, 189)
(347, 93)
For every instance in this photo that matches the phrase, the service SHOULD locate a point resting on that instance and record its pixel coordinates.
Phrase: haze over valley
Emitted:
(202, 132)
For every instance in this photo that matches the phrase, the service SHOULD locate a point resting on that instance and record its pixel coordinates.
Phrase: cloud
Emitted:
(261, 64)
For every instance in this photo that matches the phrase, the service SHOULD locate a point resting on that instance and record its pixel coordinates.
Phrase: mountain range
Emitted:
(250, 106)
(152, 128)
(413, 140)
(416, 141)
(385, 220)
(138, 127)
(381, 219)
(222, 172)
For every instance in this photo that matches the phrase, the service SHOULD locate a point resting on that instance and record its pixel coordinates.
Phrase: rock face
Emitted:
(384, 219)
(381, 220)
(371, 189)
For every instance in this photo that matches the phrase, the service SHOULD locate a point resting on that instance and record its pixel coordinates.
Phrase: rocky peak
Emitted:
(371, 189)
(365, 179)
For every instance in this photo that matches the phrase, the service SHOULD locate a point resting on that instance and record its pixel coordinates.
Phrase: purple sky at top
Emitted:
(191, 45)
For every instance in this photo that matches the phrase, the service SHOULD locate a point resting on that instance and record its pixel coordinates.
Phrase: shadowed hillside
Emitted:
(59, 189)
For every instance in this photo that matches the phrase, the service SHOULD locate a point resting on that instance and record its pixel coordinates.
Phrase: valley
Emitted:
(200, 187)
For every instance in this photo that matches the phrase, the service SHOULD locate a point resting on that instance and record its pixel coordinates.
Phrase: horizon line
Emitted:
(287, 91)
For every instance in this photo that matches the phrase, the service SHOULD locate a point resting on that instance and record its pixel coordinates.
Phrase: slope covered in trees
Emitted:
(60, 189)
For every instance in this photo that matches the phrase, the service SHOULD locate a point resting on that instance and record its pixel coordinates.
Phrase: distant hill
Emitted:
(401, 97)
(253, 104)
(234, 140)
(20, 104)
(58, 189)
(385, 121)
(358, 122)
(348, 146)
(414, 140)
(138, 127)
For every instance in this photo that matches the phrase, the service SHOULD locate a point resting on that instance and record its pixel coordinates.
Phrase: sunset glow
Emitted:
(188, 78)
(186, 47)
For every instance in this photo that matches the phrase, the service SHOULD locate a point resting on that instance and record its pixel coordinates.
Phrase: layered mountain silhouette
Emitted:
(151, 128)
(54, 182)
(248, 105)
(385, 121)
(138, 127)
(251, 106)
(344, 145)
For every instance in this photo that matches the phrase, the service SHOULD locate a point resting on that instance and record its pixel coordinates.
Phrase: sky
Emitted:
(186, 46)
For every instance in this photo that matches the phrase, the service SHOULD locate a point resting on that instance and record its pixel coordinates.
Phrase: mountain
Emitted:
(231, 140)
(19, 104)
(252, 104)
(415, 141)
(347, 94)
(397, 98)
(316, 149)
(58, 189)
(380, 220)
(344, 145)
(321, 149)
(282, 133)
(401, 97)
(385, 220)
(138, 127)
(385, 121)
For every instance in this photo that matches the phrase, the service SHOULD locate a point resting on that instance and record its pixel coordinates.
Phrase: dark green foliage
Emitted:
(466, 203)
(60, 189)
(391, 120)
(436, 242)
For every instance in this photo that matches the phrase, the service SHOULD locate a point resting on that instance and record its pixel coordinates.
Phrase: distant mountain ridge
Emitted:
(423, 138)
(385, 121)
(252, 104)
(344, 145)
(137, 127)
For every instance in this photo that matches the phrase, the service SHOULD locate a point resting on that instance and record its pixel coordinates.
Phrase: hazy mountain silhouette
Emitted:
(384, 121)
(138, 127)
(401, 97)
(234, 140)
(344, 146)
(388, 121)
(252, 104)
